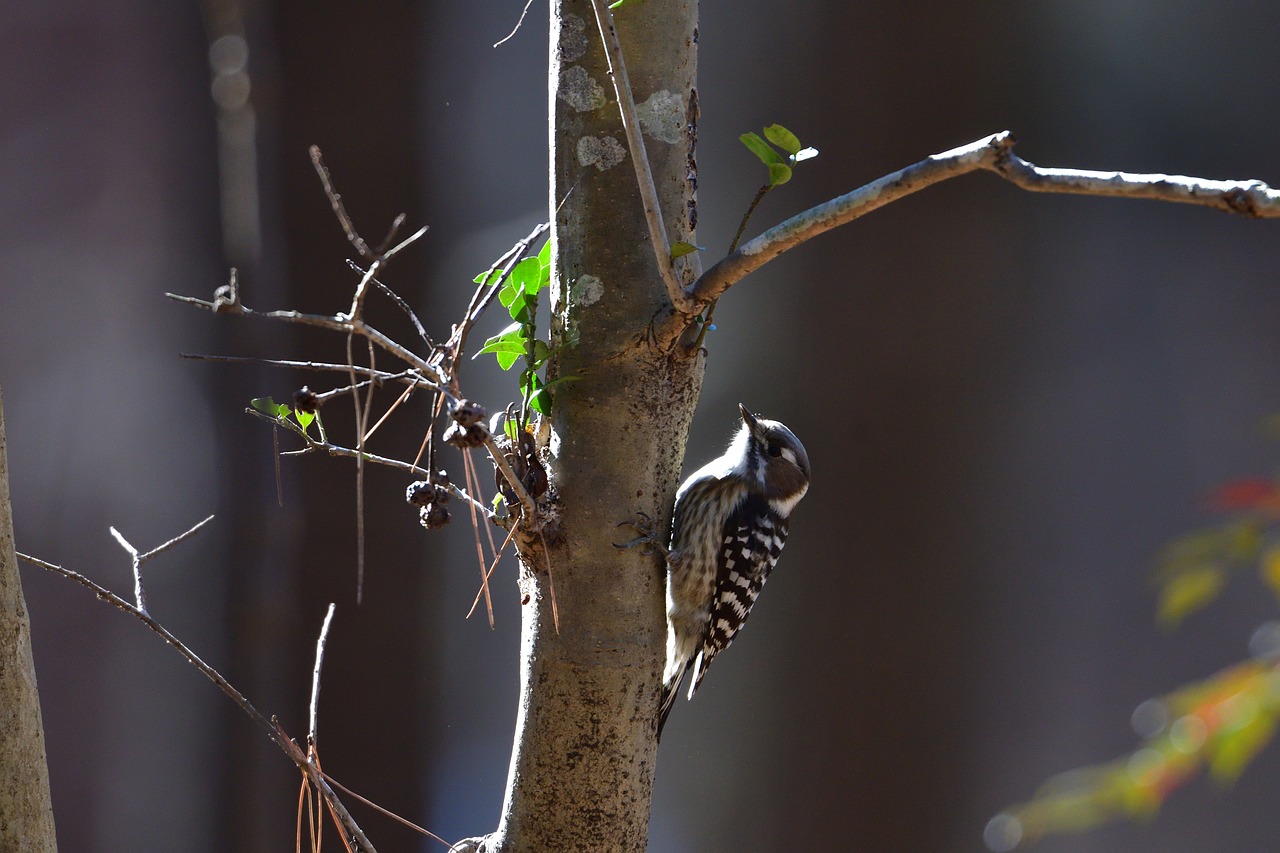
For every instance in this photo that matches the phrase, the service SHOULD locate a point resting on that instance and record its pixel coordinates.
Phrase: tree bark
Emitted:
(582, 766)
(26, 811)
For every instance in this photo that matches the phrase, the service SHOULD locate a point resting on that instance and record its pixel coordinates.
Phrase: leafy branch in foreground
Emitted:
(518, 293)
(1218, 725)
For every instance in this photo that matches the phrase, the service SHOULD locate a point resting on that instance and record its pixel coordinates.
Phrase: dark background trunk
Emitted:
(1011, 402)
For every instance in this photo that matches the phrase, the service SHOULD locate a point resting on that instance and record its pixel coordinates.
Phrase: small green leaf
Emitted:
(804, 154)
(544, 255)
(507, 346)
(508, 293)
(304, 418)
(540, 353)
(497, 499)
(511, 428)
(540, 401)
(519, 308)
(783, 138)
(489, 277)
(681, 248)
(528, 274)
(779, 174)
(761, 149)
(268, 406)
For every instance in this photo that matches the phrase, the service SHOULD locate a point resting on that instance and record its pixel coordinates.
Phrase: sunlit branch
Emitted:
(994, 154)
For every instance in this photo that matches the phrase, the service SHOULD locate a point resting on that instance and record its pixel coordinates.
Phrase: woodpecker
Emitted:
(731, 519)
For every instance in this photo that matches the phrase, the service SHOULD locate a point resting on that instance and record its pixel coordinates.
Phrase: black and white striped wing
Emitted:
(754, 536)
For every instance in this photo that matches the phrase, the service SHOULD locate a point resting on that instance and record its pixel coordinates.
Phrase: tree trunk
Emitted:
(582, 766)
(26, 812)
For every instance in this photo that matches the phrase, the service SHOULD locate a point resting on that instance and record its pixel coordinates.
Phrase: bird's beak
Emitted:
(749, 419)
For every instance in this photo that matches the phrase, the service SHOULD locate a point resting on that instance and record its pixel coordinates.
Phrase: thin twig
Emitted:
(388, 412)
(139, 594)
(361, 423)
(350, 828)
(402, 376)
(339, 209)
(383, 811)
(336, 450)
(551, 583)
(401, 304)
(314, 716)
(486, 291)
(484, 586)
(680, 298)
(516, 28)
(500, 461)
(469, 472)
(994, 154)
(340, 323)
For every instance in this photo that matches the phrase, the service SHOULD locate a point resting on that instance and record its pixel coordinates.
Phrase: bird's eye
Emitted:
(774, 450)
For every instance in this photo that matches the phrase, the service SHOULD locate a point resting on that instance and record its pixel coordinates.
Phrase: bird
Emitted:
(731, 520)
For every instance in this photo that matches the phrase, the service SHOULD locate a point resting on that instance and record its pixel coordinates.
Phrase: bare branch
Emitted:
(139, 593)
(314, 716)
(339, 209)
(683, 301)
(338, 323)
(350, 828)
(160, 549)
(994, 154)
(336, 450)
(382, 375)
(516, 28)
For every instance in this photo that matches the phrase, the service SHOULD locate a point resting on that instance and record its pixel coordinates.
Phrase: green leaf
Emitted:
(761, 149)
(507, 346)
(1188, 592)
(511, 428)
(304, 418)
(783, 138)
(489, 277)
(268, 406)
(540, 353)
(779, 174)
(681, 248)
(544, 255)
(541, 400)
(528, 274)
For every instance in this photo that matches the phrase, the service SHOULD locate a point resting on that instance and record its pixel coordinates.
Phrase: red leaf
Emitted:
(1246, 493)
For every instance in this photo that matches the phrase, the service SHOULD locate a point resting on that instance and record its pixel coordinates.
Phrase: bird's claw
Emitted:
(647, 541)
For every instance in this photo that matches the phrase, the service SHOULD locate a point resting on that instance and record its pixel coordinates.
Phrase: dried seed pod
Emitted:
(420, 493)
(461, 436)
(468, 413)
(433, 516)
(306, 400)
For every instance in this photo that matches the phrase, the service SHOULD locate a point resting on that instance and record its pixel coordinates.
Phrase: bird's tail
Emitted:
(670, 690)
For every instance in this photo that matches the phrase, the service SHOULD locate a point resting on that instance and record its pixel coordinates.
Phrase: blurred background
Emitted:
(1011, 402)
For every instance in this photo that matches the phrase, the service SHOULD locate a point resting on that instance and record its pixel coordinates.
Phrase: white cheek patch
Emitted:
(789, 455)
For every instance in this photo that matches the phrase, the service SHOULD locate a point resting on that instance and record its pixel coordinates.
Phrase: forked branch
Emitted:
(353, 835)
(994, 154)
